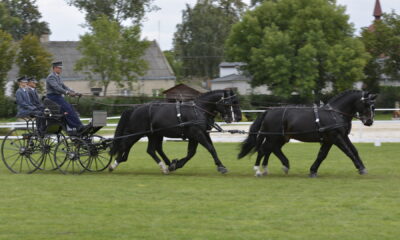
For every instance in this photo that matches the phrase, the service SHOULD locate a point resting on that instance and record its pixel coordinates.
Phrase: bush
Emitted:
(387, 97)
(8, 107)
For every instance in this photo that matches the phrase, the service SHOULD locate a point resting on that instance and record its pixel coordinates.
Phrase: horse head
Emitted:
(365, 108)
(228, 107)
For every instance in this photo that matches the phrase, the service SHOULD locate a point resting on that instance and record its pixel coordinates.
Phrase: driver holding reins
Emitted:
(56, 90)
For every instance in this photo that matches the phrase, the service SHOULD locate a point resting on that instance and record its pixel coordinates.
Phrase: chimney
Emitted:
(44, 38)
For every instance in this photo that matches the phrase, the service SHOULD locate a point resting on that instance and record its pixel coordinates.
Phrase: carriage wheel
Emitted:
(48, 144)
(20, 151)
(99, 157)
(72, 155)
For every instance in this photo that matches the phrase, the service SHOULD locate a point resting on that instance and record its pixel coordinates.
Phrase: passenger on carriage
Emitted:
(33, 95)
(56, 90)
(24, 105)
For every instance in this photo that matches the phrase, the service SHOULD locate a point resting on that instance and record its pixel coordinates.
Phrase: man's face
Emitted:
(32, 84)
(57, 70)
(22, 84)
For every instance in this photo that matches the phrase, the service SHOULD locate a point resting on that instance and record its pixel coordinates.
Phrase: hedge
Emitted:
(386, 99)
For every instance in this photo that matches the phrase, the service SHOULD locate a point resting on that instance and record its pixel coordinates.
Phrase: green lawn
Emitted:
(196, 202)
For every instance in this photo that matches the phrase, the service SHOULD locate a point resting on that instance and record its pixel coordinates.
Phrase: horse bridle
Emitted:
(227, 101)
(357, 114)
(222, 101)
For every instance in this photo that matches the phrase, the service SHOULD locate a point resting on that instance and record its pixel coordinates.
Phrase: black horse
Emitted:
(186, 120)
(329, 124)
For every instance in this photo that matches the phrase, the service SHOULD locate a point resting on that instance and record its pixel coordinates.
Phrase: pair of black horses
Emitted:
(329, 124)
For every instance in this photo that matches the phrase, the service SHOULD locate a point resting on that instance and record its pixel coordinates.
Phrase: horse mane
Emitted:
(340, 95)
(209, 93)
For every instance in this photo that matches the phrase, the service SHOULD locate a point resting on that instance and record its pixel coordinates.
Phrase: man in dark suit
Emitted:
(24, 104)
(56, 90)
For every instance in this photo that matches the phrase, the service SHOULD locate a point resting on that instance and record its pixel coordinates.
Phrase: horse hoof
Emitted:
(222, 169)
(172, 166)
(285, 170)
(363, 171)
(313, 175)
(259, 174)
(110, 169)
(265, 173)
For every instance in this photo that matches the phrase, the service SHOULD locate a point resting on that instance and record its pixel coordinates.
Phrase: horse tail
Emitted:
(250, 143)
(123, 122)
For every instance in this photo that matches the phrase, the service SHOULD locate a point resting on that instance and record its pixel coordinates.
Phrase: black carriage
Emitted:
(45, 143)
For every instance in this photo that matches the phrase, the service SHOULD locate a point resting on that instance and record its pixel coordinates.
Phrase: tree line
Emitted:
(110, 51)
(293, 46)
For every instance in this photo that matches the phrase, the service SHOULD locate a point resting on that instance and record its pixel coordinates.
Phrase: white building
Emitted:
(230, 76)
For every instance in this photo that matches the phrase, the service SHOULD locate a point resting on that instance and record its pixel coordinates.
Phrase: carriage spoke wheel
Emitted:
(47, 146)
(71, 155)
(20, 151)
(99, 157)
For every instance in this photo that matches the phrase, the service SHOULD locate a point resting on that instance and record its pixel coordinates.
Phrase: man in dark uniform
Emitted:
(24, 105)
(32, 92)
(56, 90)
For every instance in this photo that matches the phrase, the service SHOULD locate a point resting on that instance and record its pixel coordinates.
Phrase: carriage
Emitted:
(45, 143)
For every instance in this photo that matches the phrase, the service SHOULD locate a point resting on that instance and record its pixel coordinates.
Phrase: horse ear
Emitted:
(226, 93)
(373, 96)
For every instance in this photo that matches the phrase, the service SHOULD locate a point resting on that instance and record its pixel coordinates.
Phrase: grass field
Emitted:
(138, 202)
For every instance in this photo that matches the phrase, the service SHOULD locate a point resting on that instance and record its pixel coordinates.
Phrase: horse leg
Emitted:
(207, 143)
(277, 150)
(323, 152)
(158, 144)
(344, 143)
(192, 147)
(124, 152)
(267, 153)
(263, 151)
(260, 147)
(256, 167)
(151, 150)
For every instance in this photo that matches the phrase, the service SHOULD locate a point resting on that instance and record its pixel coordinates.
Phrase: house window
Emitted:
(96, 91)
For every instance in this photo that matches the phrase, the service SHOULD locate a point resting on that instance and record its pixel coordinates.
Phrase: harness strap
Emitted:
(178, 111)
(179, 116)
(318, 122)
(150, 121)
(283, 118)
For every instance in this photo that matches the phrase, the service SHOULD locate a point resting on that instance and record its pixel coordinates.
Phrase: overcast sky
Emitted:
(65, 21)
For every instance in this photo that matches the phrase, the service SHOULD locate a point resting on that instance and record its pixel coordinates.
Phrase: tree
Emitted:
(7, 22)
(382, 41)
(298, 46)
(112, 52)
(116, 10)
(7, 53)
(32, 59)
(25, 18)
(175, 64)
(199, 39)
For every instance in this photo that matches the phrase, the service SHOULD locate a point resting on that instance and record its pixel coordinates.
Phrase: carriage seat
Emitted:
(54, 117)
